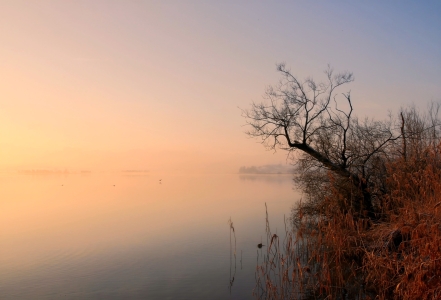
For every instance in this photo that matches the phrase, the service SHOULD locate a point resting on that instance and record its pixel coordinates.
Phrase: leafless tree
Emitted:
(420, 130)
(348, 170)
(311, 117)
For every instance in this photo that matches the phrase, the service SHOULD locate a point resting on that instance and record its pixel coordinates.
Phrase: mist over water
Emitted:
(135, 236)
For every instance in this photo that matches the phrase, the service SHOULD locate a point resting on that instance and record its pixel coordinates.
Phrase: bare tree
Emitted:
(312, 117)
(353, 172)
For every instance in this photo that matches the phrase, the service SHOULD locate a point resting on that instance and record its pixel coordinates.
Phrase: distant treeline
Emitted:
(266, 169)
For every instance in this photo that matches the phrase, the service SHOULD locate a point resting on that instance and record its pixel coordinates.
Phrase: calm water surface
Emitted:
(128, 236)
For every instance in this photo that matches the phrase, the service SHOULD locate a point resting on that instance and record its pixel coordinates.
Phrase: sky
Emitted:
(159, 85)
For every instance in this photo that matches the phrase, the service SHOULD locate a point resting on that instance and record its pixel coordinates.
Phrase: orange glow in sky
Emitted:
(115, 85)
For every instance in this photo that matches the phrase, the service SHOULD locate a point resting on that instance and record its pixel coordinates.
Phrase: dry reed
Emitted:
(340, 253)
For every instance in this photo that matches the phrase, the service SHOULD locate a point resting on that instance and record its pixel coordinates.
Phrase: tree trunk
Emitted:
(343, 172)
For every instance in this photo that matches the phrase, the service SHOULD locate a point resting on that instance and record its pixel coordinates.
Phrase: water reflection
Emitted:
(138, 239)
(232, 254)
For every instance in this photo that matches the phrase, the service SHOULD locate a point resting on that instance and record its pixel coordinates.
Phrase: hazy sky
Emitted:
(114, 85)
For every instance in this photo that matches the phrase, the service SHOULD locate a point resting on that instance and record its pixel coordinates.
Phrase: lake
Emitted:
(136, 235)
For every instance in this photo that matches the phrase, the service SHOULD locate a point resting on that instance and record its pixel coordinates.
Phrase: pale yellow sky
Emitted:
(114, 85)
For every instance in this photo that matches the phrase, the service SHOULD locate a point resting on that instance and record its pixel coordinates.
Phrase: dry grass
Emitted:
(342, 254)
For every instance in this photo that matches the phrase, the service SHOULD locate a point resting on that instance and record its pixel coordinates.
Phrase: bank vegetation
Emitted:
(369, 223)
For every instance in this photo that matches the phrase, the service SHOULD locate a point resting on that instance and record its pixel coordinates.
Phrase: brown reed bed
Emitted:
(338, 252)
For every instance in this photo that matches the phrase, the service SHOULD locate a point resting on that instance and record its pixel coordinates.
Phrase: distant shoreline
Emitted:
(266, 169)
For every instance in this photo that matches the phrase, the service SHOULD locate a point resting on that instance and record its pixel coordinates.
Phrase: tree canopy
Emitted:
(369, 225)
(318, 120)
